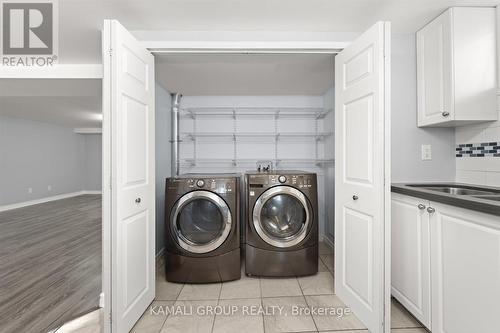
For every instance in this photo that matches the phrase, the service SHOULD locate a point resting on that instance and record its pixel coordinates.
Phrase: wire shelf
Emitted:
(236, 162)
(235, 136)
(283, 112)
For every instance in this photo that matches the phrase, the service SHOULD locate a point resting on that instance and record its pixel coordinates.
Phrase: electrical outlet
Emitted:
(426, 152)
(30, 190)
(49, 188)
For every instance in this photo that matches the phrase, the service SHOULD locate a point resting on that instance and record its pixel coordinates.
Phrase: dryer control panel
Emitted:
(217, 185)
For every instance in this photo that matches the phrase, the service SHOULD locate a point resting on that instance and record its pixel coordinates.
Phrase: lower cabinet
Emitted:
(446, 265)
(411, 255)
(465, 270)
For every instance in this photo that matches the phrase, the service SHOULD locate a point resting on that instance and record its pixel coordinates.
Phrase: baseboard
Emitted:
(160, 254)
(101, 300)
(326, 240)
(46, 199)
(91, 192)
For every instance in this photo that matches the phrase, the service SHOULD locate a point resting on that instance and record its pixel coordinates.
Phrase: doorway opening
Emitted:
(50, 202)
(239, 112)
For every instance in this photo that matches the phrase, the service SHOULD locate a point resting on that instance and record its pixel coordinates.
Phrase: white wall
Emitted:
(255, 148)
(37, 155)
(93, 162)
(407, 138)
(163, 158)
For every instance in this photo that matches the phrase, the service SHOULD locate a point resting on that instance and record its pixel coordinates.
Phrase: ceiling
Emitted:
(81, 20)
(292, 74)
(72, 103)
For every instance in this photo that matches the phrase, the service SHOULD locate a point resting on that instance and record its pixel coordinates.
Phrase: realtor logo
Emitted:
(29, 30)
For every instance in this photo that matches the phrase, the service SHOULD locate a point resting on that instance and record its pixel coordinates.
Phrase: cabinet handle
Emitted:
(138, 200)
(355, 197)
(421, 207)
(431, 210)
(445, 113)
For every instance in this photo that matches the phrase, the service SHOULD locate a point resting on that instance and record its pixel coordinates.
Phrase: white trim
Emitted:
(73, 71)
(327, 240)
(91, 192)
(101, 300)
(46, 199)
(160, 253)
(158, 47)
(387, 224)
(89, 130)
(106, 175)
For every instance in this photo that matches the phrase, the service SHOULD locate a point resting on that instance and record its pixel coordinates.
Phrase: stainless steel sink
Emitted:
(488, 197)
(457, 189)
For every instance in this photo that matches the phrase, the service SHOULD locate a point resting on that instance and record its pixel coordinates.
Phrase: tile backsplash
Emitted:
(477, 153)
(484, 149)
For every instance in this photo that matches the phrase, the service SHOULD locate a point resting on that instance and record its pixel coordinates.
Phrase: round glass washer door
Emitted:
(282, 216)
(200, 221)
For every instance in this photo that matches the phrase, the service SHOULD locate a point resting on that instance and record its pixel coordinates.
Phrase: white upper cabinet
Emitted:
(456, 68)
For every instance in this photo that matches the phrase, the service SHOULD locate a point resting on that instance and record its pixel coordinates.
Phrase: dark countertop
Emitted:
(462, 201)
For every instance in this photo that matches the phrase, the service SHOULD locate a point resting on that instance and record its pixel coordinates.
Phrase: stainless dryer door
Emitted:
(282, 216)
(200, 221)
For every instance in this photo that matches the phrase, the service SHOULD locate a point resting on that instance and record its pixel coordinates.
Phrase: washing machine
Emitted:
(202, 228)
(282, 224)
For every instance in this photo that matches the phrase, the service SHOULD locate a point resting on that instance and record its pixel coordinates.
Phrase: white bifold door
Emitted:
(362, 191)
(129, 109)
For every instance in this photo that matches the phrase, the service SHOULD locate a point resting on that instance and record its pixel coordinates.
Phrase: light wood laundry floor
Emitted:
(50, 263)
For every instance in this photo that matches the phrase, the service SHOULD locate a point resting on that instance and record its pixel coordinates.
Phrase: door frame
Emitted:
(220, 47)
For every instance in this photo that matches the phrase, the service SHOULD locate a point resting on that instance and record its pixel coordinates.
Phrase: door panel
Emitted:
(131, 107)
(358, 117)
(359, 260)
(434, 71)
(362, 107)
(465, 268)
(134, 139)
(411, 255)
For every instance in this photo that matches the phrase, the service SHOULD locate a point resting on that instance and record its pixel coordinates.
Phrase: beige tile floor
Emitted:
(287, 294)
(239, 298)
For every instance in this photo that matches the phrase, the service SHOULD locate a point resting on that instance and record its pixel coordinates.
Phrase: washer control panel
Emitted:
(297, 180)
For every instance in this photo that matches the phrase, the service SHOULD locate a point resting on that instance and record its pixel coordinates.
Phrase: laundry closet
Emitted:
(258, 109)
(249, 112)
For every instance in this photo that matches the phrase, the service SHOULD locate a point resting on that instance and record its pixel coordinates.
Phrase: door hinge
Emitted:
(110, 52)
(110, 183)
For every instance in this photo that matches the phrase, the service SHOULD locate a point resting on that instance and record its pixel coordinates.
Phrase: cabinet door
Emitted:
(410, 263)
(465, 266)
(434, 71)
